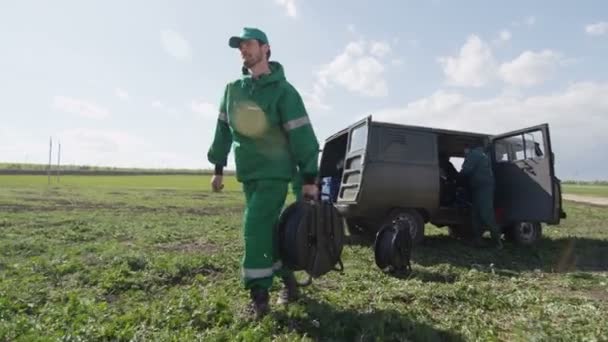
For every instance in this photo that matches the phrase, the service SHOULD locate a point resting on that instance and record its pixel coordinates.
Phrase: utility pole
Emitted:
(58, 161)
(49, 167)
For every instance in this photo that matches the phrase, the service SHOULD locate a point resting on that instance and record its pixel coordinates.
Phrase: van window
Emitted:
(525, 146)
(358, 138)
(407, 146)
(457, 162)
(534, 145)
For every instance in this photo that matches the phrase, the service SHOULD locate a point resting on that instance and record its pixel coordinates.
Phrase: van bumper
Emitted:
(346, 210)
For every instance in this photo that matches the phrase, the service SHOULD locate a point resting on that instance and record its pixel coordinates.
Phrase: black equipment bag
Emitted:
(393, 247)
(311, 238)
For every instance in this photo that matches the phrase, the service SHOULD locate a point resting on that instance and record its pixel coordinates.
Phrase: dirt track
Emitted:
(603, 201)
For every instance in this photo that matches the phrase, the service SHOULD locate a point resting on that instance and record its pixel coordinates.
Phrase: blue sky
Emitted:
(137, 83)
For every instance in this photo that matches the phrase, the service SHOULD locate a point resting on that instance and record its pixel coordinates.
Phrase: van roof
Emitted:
(412, 127)
(431, 129)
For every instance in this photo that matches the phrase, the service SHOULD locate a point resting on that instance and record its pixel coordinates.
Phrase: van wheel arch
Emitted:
(524, 233)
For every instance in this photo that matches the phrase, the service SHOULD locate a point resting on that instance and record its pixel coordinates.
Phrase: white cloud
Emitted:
(89, 141)
(530, 68)
(531, 20)
(205, 110)
(105, 147)
(576, 117)
(121, 93)
(176, 45)
(380, 49)
(527, 21)
(89, 146)
(597, 29)
(475, 65)
(397, 62)
(80, 107)
(314, 100)
(578, 105)
(168, 109)
(358, 68)
(414, 43)
(505, 35)
(289, 6)
(24, 146)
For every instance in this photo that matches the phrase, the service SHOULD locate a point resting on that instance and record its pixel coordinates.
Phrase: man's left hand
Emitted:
(310, 191)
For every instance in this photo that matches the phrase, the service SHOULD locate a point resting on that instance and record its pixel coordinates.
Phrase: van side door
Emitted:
(525, 177)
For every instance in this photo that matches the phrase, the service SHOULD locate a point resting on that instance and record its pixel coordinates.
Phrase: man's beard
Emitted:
(251, 62)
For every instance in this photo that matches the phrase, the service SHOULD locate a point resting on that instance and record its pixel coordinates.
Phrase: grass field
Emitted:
(584, 189)
(157, 258)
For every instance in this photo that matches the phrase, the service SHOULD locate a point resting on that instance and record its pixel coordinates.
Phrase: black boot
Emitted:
(289, 292)
(499, 245)
(497, 238)
(259, 305)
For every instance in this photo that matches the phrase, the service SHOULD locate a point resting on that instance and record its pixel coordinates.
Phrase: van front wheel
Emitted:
(524, 233)
(412, 219)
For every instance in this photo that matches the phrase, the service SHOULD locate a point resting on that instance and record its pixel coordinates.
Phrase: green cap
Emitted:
(246, 34)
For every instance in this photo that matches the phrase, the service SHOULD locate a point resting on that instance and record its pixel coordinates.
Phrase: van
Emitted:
(378, 172)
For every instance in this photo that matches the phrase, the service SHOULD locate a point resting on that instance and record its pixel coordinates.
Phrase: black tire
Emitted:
(524, 233)
(414, 220)
(393, 248)
(461, 232)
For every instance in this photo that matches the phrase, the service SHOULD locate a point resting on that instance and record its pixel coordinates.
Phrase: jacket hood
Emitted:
(277, 74)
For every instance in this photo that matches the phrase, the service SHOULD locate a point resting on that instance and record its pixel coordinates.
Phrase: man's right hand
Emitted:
(310, 192)
(217, 183)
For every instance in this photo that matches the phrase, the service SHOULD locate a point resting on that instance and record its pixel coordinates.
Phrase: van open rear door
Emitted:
(354, 161)
(525, 176)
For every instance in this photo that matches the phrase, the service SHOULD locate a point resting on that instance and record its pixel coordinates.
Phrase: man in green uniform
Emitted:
(264, 117)
(477, 169)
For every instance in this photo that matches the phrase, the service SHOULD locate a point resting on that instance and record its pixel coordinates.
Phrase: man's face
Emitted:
(252, 52)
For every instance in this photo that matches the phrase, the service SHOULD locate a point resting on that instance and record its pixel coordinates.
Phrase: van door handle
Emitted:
(529, 169)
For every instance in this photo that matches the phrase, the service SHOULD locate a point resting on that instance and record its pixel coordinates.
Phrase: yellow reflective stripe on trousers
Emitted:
(254, 273)
(295, 123)
(223, 117)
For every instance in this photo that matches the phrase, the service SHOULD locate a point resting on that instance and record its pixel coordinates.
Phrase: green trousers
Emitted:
(483, 212)
(264, 202)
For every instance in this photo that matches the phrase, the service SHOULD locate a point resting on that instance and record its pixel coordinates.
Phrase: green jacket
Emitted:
(477, 168)
(266, 120)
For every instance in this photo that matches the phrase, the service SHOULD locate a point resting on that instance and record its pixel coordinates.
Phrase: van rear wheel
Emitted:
(414, 221)
(524, 233)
